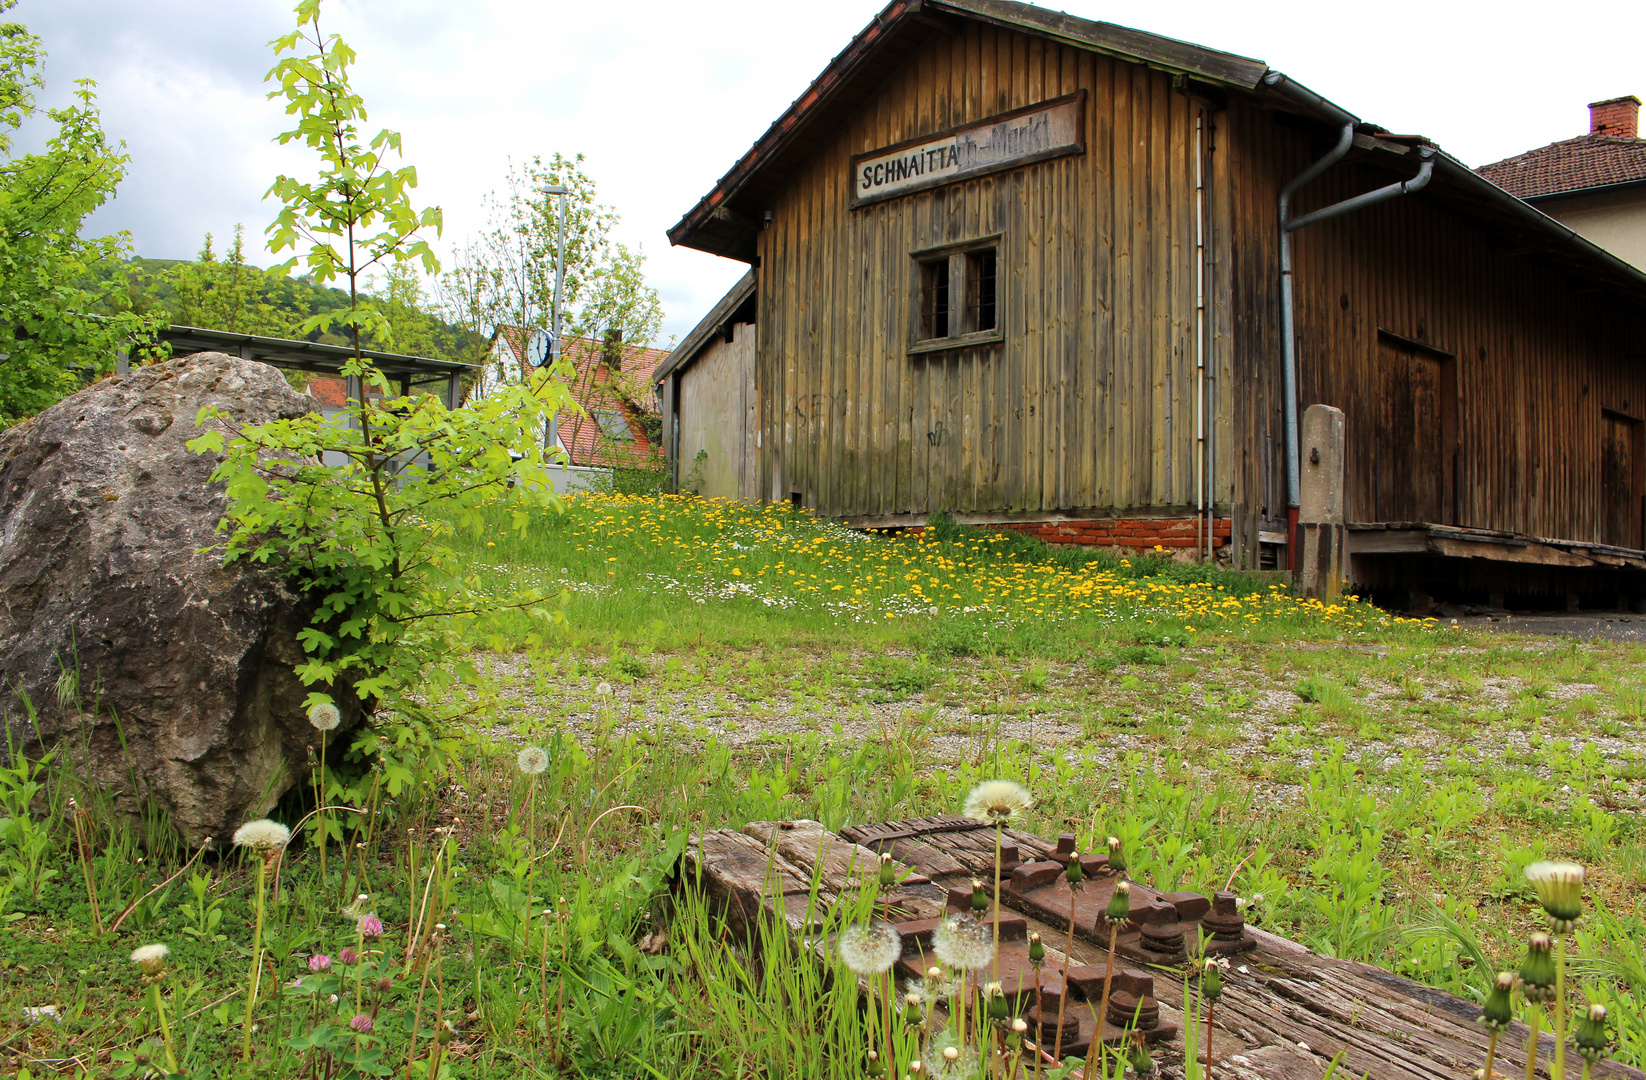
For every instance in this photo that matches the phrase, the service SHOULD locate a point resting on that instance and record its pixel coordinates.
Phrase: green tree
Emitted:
(411, 328)
(224, 294)
(369, 538)
(372, 536)
(357, 214)
(368, 535)
(506, 278)
(49, 340)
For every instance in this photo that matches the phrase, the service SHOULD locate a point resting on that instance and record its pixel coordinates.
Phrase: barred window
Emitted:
(934, 298)
(958, 302)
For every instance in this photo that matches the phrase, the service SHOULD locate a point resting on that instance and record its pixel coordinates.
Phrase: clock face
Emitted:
(539, 347)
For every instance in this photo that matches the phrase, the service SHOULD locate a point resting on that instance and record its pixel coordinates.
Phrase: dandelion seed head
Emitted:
(997, 801)
(263, 836)
(1559, 888)
(963, 942)
(956, 1064)
(151, 958)
(325, 717)
(532, 760)
(870, 950)
(604, 689)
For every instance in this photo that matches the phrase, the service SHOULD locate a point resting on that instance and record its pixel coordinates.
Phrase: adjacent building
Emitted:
(1079, 280)
(1594, 184)
(616, 422)
(710, 417)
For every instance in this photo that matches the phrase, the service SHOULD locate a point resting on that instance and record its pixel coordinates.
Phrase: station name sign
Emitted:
(1047, 130)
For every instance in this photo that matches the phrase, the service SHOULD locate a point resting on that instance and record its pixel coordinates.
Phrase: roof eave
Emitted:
(1594, 189)
(1625, 274)
(693, 343)
(1629, 274)
(319, 356)
(716, 226)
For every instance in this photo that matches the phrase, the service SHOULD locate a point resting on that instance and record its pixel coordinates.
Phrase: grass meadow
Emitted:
(1381, 783)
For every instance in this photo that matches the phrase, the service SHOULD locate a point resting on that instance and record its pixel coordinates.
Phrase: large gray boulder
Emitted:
(164, 674)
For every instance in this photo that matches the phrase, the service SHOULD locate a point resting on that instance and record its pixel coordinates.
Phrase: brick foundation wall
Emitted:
(1132, 534)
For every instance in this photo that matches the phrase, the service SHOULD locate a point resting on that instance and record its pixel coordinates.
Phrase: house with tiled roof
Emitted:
(1594, 184)
(617, 422)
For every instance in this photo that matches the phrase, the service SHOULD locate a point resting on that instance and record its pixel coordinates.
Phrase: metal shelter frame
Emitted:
(322, 359)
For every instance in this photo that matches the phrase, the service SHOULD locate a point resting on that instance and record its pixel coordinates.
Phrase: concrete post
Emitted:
(1322, 560)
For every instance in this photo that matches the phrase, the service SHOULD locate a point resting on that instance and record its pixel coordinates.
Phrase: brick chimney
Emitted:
(1616, 116)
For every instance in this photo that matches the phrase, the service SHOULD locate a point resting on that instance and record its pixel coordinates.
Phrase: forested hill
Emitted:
(229, 294)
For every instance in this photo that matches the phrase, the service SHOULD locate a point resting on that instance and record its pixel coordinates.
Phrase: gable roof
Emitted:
(594, 387)
(736, 306)
(723, 221)
(1570, 166)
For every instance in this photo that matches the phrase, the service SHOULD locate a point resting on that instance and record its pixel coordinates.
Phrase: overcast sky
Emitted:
(664, 95)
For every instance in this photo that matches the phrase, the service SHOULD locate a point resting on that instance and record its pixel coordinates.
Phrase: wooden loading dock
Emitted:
(1285, 1012)
(1026, 268)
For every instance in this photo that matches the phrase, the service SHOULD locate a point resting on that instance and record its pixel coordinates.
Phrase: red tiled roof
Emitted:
(329, 392)
(597, 390)
(1587, 161)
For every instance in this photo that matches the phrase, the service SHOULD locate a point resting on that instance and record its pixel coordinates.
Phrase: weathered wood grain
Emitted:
(1288, 1011)
(1513, 425)
(1041, 420)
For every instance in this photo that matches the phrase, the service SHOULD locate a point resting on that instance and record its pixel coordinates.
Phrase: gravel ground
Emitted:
(1245, 704)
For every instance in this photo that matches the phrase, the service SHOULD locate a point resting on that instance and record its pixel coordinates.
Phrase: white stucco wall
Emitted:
(1616, 221)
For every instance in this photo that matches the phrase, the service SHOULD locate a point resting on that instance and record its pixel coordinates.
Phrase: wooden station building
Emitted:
(1075, 279)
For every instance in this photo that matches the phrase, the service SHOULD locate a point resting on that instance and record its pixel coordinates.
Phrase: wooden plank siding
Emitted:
(1539, 357)
(1088, 402)
(1483, 387)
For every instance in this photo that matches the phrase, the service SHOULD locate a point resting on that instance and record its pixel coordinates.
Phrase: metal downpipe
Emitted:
(1202, 456)
(1425, 170)
(1288, 330)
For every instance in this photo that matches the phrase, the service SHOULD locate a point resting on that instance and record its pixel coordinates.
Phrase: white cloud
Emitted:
(664, 96)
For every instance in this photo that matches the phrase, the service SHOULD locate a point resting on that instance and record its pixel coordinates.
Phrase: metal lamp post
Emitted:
(551, 433)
